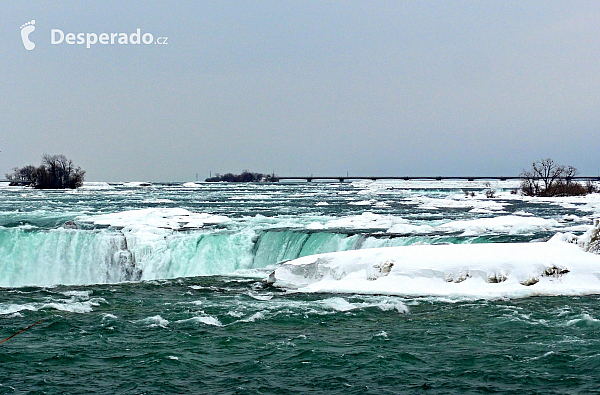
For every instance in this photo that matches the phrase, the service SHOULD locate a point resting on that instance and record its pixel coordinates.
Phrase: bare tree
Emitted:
(59, 168)
(547, 178)
(24, 175)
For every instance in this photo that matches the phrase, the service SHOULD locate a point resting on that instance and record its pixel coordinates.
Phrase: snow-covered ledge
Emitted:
(564, 265)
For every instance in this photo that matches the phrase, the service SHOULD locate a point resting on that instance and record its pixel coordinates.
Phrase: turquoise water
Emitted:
(148, 310)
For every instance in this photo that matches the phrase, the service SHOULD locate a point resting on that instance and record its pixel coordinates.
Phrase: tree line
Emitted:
(546, 178)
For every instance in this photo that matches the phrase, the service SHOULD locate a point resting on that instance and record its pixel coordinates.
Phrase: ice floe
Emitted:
(503, 224)
(166, 218)
(431, 203)
(366, 220)
(511, 224)
(95, 186)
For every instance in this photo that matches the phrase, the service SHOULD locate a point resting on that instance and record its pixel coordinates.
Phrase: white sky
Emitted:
(303, 87)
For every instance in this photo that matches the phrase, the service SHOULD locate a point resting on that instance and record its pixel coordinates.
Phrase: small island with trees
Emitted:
(55, 172)
(246, 176)
(547, 179)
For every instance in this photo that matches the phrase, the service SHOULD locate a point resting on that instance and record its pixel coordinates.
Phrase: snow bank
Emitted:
(589, 241)
(557, 267)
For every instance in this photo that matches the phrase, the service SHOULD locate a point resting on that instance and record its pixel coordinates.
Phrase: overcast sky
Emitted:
(303, 87)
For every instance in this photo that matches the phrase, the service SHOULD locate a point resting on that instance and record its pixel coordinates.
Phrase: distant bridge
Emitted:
(412, 178)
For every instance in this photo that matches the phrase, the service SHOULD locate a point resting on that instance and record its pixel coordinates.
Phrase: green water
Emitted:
(236, 336)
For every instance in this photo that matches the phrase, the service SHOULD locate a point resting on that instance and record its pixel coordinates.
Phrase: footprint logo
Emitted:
(26, 29)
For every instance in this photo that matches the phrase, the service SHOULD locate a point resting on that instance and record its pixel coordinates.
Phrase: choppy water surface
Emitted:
(170, 303)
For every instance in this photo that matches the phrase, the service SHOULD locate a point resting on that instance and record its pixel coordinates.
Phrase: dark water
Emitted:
(240, 336)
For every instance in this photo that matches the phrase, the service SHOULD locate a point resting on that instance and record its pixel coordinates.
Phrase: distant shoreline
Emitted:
(358, 178)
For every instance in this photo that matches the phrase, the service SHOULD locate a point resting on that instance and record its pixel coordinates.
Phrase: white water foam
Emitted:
(155, 321)
(78, 294)
(384, 304)
(71, 306)
(338, 304)
(254, 317)
(584, 319)
(207, 320)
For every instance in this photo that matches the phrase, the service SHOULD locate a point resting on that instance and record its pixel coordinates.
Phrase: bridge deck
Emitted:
(415, 178)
